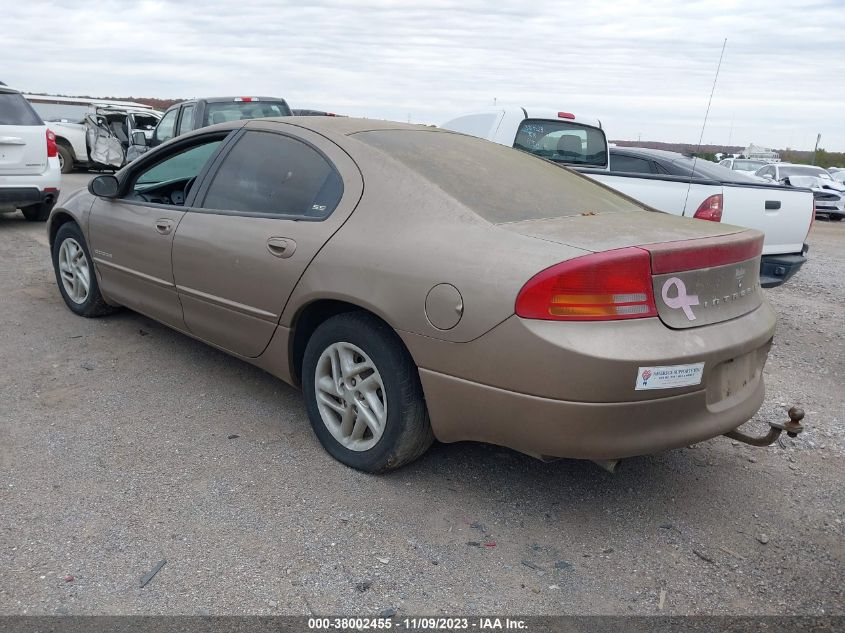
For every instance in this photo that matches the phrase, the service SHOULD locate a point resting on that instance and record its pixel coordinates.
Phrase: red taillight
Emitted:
(246, 99)
(565, 115)
(599, 287)
(52, 150)
(710, 209)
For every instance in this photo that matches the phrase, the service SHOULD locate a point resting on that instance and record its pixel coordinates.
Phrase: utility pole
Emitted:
(816, 148)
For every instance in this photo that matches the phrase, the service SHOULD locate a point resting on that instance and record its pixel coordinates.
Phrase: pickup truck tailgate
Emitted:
(784, 214)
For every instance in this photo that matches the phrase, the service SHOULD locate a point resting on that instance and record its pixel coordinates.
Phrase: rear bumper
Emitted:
(777, 269)
(547, 428)
(553, 389)
(26, 190)
(12, 198)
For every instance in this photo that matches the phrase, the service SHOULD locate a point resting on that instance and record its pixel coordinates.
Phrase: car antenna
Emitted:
(703, 125)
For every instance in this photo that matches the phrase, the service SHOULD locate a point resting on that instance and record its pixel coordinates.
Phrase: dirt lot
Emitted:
(124, 444)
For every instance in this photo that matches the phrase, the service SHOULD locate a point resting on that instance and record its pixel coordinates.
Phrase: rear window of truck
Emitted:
(496, 182)
(15, 110)
(223, 111)
(563, 142)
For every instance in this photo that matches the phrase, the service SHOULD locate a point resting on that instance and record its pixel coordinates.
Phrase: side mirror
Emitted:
(139, 138)
(105, 186)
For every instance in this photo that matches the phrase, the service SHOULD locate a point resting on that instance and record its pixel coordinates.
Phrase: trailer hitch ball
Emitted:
(792, 428)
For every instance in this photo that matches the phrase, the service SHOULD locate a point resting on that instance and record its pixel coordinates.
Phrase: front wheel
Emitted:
(363, 394)
(75, 273)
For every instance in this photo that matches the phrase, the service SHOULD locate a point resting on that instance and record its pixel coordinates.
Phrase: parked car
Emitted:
(419, 283)
(663, 180)
(198, 113)
(828, 193)
(743, 164)
(102, 137)
(29, 165)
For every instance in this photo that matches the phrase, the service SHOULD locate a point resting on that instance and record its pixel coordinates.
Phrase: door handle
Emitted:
(164, 226)
(282, 247)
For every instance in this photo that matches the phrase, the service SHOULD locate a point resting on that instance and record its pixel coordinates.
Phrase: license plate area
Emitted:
(735, 377)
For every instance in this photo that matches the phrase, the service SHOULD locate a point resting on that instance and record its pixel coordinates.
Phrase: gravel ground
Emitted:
(124, 444)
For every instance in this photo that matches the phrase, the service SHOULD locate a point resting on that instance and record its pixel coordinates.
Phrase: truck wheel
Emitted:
(65, 159)
(37, 212)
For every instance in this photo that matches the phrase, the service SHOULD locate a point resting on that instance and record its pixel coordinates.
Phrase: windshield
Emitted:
(562, 142)
(749, 165)
(223, 111)
(804, 170)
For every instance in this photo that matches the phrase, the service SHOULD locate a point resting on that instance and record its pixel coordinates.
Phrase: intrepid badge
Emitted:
(681, 299)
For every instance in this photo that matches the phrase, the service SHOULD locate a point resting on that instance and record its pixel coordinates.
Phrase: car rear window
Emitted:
(562, 141)
(223, 111)
(15, 110)
(498, 183)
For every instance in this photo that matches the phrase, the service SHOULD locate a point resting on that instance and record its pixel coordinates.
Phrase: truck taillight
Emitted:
(52, 150)
(599, 287)
(710, 209)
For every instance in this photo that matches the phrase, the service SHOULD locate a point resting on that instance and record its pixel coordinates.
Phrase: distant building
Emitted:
(760, 153)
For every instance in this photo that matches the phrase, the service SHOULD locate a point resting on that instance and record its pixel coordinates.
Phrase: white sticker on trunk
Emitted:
(669, 376)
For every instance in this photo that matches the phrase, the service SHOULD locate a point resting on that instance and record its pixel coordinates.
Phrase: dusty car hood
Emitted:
(606, 231)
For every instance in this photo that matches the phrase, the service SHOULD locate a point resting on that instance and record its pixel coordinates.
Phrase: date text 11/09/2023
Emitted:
(417, 624)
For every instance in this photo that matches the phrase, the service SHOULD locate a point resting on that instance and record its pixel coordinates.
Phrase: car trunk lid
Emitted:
(701, 272)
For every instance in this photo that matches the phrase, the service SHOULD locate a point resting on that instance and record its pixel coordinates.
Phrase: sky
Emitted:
(645, 69)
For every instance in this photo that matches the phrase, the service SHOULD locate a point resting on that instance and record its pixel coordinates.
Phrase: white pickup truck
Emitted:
(666, 181)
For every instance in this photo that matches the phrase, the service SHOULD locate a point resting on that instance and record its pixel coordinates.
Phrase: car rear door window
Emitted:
(275, 175)
(15, 110)
(187, 119)
(631, 164)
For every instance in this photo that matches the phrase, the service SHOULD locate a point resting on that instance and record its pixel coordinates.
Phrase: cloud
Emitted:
(643, 68)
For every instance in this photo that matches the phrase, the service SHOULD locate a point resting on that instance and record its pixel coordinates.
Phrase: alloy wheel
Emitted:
(74, 270)
(350, 396)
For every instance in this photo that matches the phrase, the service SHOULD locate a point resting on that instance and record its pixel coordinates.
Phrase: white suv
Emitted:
(30, 175)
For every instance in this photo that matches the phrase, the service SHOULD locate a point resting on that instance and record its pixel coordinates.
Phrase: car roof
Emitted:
(232, 99)
(6, 89)
(348, 125)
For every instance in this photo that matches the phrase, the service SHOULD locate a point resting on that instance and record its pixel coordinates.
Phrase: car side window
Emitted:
(631, 164)
(165, 127)
(187, 119)
(275, 175)
(173, 175)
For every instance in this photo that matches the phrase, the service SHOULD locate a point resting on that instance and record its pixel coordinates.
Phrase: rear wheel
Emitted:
(65, 159)
(75, 273)
(37, 212)
(363, 394)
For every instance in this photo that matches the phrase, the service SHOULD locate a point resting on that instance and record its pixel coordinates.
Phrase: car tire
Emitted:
(65, 158)
(72, 263)
(343, 418)
(37, 212)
